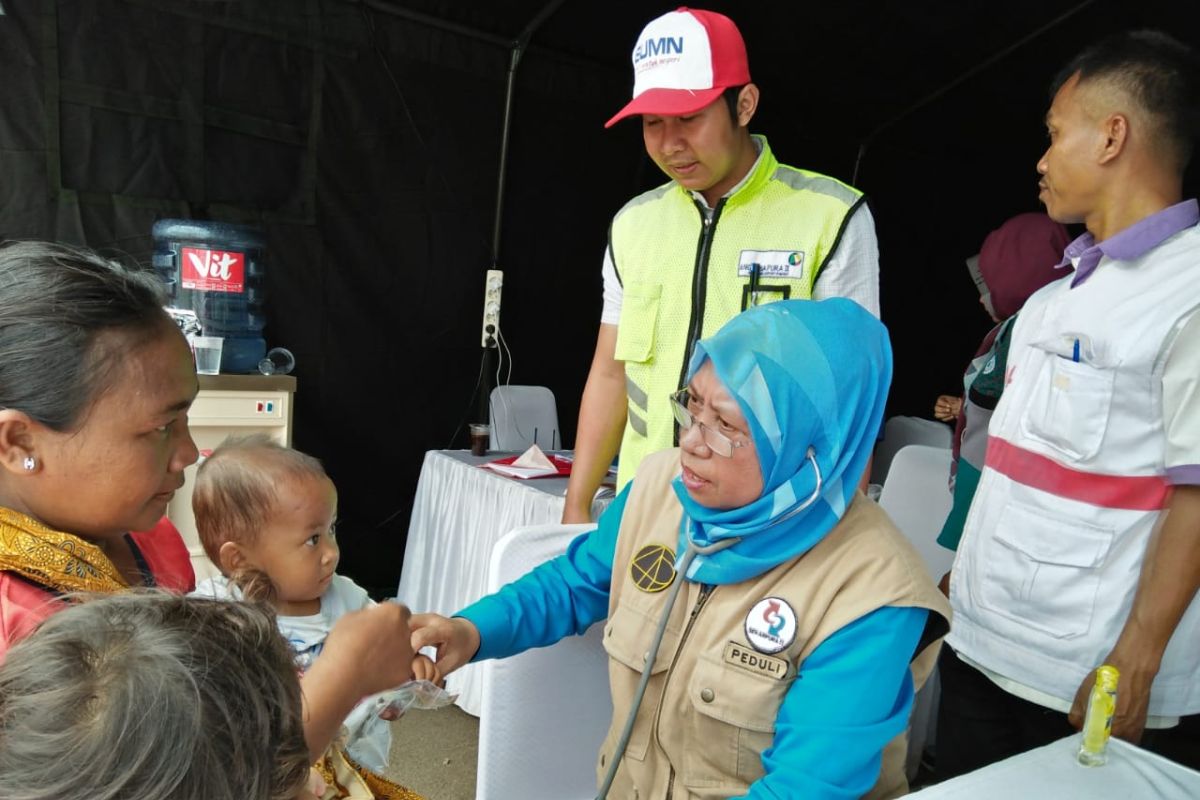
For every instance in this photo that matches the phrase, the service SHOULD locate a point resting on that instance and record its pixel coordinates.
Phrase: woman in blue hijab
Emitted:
(767, 625)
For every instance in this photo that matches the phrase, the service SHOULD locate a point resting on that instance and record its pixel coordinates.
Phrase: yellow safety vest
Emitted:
(684, 274)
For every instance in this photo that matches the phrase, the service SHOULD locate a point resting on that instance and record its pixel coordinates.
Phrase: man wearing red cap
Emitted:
(733, 228)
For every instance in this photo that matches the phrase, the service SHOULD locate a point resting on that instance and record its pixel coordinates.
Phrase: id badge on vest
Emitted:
(760, 266)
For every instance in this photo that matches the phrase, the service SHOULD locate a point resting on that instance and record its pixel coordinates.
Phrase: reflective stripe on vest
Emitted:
(1134, 492)
(638, 407)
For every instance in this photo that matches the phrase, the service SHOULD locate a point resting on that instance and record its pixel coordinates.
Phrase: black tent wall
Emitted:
(366, 145)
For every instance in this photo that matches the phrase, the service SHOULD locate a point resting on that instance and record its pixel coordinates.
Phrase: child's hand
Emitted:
(425, 670)
(456, 639)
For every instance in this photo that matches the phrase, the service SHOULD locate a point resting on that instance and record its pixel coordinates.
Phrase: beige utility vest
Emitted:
(709, 710)
(684, 274)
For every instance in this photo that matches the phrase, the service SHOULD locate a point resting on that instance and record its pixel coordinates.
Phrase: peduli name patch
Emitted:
(653, 568)
(743, 657)
(771, 625)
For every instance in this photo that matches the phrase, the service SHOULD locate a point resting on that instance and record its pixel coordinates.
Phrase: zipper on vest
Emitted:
(705, 590)
(708, 229)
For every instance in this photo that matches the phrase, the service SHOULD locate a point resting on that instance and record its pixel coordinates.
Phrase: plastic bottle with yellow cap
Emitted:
(1097, 724)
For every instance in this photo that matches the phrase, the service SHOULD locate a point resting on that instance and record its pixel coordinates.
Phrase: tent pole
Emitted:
(513, 60)
(518, 47)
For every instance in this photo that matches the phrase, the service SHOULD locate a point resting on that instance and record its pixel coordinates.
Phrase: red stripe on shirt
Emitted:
(1134, 492)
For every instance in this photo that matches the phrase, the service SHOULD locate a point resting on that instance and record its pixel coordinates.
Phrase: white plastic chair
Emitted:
(521, 416)
(900, 432)
(545, 712)
(916, 495)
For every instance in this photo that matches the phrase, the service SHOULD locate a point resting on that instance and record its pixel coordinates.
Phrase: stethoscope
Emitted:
(689, 554)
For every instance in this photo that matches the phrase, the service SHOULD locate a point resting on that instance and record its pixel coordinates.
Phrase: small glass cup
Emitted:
(208, 354)
(278, 361)
(480, 431)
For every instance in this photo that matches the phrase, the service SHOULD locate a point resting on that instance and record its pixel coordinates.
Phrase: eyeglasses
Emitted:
(718, 442)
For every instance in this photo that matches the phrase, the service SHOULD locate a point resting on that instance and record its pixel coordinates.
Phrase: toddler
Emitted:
(266, 515)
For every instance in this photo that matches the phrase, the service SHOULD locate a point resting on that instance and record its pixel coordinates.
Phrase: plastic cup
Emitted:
(278, 361)
(208, 354)
(479, 438)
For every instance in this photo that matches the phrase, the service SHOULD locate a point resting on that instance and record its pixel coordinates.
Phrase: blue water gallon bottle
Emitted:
(217, 270)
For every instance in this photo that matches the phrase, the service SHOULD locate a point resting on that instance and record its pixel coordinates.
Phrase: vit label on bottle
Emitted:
(213, 270)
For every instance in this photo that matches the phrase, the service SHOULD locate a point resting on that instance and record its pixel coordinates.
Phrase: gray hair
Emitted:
(55, 301)
(150, 696)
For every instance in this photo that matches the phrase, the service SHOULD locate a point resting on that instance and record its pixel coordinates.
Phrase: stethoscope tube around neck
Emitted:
(685, 563)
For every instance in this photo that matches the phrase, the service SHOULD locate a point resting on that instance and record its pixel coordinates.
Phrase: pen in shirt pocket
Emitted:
(1074, 347)
(1070, 346)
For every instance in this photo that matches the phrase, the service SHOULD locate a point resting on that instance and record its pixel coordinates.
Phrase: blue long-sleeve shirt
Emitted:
(852, 696)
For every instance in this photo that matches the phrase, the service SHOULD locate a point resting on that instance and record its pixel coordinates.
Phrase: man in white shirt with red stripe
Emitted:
(1082, 546)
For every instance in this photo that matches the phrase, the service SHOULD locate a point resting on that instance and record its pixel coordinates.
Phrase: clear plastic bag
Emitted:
(395, 703)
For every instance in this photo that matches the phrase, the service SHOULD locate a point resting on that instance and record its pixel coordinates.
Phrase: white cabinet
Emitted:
(230, 405)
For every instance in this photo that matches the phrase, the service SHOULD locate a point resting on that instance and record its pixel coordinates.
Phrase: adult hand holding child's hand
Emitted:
(368, 651)
(455, 639)
(374, 645)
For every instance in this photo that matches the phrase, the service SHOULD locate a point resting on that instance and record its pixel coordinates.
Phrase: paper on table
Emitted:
(534, 458)
(521, 472)
(530, 464)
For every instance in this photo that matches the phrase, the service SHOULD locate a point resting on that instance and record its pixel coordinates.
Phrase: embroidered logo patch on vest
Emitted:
(772, 263)
(653, 568)
(771, 625)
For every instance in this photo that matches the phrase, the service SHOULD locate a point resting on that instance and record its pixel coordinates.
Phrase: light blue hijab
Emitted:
(806, 374)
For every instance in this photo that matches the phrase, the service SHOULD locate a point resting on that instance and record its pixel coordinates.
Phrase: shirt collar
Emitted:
(1131, 243)
(758, 147)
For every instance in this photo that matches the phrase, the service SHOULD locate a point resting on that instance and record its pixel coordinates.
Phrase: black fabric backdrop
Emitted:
(366, 144)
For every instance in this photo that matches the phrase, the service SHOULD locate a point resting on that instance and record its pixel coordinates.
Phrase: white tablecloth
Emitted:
(459, 513)
(1052, 772)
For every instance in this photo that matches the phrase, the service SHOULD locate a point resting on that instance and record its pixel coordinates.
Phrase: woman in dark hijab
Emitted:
(1017, 259)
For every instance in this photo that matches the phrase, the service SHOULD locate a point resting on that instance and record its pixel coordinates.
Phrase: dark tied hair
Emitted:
(1160, 73)
(236, 494)
(55, 302)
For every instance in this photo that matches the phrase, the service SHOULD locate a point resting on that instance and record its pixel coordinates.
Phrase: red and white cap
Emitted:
(683, 61)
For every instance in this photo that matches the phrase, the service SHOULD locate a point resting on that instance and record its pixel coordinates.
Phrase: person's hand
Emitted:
(947, 407)
(370, 649)
(573, 516)
(314, 788)
(455, 639)
(425, 670)
(367, 651)
(1133, 697)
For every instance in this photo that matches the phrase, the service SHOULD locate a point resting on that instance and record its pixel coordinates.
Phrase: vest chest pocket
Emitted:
(730, 715)
(1069, 407)
(639, 319)
(1043, 570)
